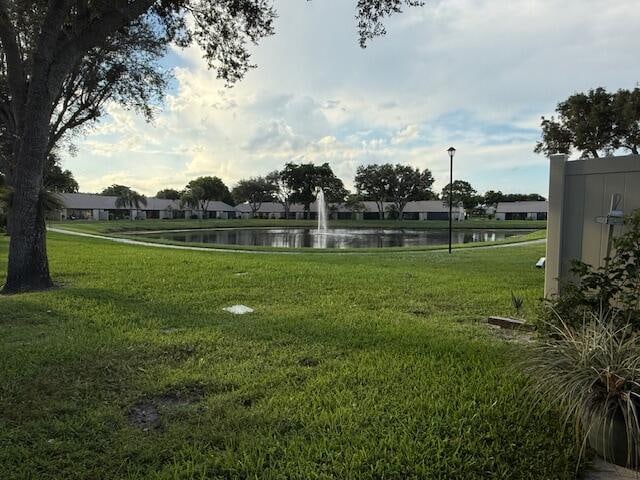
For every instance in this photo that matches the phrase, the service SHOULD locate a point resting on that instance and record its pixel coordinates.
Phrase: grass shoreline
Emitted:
(121, 226)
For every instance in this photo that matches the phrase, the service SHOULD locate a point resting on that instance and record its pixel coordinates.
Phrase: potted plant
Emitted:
(591, 373)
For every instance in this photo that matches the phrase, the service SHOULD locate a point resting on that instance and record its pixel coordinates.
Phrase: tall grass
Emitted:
(592, 374)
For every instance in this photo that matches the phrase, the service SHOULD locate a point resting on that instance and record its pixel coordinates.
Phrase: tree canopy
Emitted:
(129, 198)
(168, 194)
(399, 184)
(254, 191)
(200, 192)
(305, 178)
(56, 179)
(463, 194)
(493, 197)
(594, 124)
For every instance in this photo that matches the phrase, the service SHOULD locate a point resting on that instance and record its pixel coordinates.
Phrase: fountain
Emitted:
(322, 212)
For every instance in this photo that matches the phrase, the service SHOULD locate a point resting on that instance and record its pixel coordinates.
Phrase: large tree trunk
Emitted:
(28, 267)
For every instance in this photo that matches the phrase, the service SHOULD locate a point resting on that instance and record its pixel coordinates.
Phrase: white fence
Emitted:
(580, 204)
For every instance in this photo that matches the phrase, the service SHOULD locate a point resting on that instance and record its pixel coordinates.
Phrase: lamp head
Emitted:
(452, 151)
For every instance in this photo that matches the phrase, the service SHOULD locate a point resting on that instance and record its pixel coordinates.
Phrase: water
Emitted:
(322, 212)
(334, 238)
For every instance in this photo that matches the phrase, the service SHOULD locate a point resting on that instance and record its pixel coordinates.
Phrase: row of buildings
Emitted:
(83, 206)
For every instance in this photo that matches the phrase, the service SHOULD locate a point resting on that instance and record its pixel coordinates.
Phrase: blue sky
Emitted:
(475, 74)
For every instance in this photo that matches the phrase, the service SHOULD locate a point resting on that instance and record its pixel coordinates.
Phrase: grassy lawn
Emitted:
(116, 226)
(362, 367)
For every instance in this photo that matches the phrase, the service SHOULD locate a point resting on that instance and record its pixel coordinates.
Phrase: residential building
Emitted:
(86, 206)
(422, 210)
(522, 210)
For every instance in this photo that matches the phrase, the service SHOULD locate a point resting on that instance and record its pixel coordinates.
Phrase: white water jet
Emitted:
(322, 212)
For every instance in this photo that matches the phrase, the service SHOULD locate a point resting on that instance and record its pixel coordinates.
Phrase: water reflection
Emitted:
(334, 238)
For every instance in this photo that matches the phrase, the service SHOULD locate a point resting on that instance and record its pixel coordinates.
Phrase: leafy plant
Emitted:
(517, 303)
(592, 374)
(614, 287)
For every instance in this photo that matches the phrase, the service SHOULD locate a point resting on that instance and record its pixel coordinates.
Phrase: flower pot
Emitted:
(609, 440)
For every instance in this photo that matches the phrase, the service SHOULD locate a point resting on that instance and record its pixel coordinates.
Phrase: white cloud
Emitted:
(476, 74)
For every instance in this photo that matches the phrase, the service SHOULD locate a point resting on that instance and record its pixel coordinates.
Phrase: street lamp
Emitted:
(452, 152)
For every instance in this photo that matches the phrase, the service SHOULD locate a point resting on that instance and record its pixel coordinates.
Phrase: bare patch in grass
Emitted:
(309, 362)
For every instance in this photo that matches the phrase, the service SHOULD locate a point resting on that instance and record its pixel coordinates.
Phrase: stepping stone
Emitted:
(509, 323)
(238, 309)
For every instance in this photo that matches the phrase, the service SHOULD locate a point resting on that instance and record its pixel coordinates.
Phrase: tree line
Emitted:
(390, 186)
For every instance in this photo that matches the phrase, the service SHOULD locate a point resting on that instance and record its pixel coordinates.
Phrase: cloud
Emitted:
(408, 133)
(476, 74)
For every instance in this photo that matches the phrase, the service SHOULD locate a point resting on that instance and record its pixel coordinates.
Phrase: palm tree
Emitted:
(129, 198)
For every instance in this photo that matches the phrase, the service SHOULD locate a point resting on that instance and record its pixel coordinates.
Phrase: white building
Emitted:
(522, 210)
(422, 210)
(85, 206)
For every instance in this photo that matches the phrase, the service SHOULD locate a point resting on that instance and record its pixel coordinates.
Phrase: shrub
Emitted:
(613, 290)
(591, 372)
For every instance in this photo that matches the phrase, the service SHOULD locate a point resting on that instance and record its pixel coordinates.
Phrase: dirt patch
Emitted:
(309, 362)
(511, 336)
(144, 415)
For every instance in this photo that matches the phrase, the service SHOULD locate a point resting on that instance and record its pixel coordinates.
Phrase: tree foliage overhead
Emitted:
(595, 124)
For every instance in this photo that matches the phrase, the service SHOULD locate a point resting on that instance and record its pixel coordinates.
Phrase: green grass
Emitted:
(116, 226)
(362, 367)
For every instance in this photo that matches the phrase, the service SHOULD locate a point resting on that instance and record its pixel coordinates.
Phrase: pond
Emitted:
(334, 237)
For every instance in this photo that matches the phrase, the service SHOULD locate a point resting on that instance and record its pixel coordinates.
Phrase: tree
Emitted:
(128, 198)
(115, 190)
(493, 198)
(283, 190)
(304, 179)
(463, 193)
(595, 123)
(204, 190)
(399, 184)
(626, 107)
(407, 184)
(354, 204)
(58, 180)
(254, 191)
(168, 194)
(371, 183)
(62, 60)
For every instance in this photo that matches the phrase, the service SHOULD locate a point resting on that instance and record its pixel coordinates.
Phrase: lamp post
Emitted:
(452, 152)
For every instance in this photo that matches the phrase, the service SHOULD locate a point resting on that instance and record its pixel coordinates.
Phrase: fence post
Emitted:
(555, 220)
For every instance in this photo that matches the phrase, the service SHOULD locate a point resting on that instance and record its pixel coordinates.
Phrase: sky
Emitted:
(473, 74)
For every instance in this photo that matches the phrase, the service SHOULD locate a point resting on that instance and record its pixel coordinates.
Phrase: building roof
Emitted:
(369, 206)
(522, 207)
(85, 201)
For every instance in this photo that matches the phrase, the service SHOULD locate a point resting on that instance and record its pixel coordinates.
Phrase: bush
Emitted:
(591, 373)
(612, 290)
